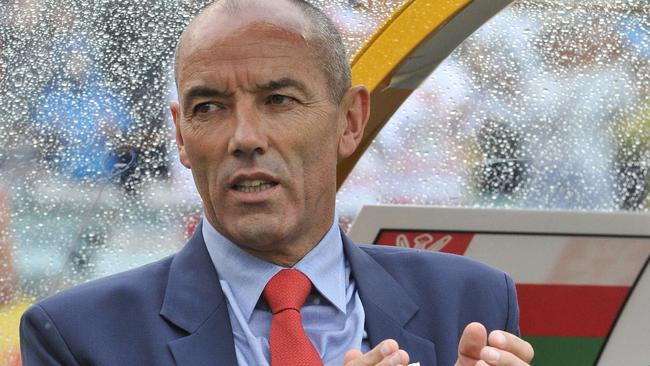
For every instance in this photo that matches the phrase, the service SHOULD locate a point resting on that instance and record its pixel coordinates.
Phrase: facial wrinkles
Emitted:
(278, 159)
(234, 55)
(241, 76)
(323, 123)
(267, 162)
(232, 50)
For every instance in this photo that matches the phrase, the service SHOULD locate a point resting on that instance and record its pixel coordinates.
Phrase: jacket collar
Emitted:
(387, 306)
(195, 303)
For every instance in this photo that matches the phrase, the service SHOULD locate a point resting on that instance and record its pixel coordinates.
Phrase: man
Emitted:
(265, 111)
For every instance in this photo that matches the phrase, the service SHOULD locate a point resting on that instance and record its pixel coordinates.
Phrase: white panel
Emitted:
(571, 260)
(629, 343)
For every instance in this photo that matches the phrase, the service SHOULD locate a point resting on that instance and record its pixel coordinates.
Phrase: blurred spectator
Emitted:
(633, 160)
(502, 169)
(83, 115)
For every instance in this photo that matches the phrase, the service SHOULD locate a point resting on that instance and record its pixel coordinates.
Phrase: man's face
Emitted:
(256, 126)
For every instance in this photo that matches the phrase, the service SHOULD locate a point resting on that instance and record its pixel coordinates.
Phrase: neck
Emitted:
(287, 251)
(290, 252)
(286, 260)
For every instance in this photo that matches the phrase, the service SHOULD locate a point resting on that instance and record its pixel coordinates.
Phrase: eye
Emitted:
(206, 108)
(278, 99)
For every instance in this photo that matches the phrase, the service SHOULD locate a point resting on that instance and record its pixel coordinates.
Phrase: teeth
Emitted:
(253, 186)
(251, 183)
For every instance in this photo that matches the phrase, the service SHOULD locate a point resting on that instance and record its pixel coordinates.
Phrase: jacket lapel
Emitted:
(387, 306)
(195, 303)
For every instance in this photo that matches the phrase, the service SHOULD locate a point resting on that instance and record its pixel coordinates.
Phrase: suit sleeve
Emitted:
(41, 344)
(512, 323)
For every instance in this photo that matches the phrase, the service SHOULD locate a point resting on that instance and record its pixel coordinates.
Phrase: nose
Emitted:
(249, 137)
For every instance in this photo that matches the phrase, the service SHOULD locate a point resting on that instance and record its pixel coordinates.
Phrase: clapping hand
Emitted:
(477, 348)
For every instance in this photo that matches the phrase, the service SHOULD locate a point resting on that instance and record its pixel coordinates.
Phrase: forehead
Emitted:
(220, 42)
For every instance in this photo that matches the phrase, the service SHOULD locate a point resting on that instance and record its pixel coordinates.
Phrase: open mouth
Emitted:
(252, 186)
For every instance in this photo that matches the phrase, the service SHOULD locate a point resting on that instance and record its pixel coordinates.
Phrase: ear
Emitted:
(176, 115)
(354, 117)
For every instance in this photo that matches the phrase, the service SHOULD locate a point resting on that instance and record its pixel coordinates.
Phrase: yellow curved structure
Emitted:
(10, 314)
(405, 50)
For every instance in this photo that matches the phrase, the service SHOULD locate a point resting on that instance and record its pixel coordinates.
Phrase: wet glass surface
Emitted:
(90, 182)
(546, 106)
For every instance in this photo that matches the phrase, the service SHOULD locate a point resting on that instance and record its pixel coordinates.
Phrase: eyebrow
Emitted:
(206, 92)
(201, 91)
(285, 83)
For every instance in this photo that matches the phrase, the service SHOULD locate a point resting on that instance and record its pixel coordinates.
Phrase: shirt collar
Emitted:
(324, 266)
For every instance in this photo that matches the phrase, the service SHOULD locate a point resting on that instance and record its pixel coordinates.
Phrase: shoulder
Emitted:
(414, 262)
(126, 291)
(92, 320)
(460, 289)
(429, 275)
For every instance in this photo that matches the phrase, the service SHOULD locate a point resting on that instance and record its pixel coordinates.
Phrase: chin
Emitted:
(259, 231)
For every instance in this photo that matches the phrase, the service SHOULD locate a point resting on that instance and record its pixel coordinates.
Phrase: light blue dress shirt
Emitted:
(333, 317)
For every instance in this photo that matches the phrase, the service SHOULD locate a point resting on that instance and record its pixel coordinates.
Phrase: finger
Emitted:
(513, 344)
(399, 358)
(496, 357)
(351, 355)
(376, 355)
(471, 343)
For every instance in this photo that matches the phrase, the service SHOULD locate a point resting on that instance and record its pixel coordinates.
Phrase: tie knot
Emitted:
(288, 289)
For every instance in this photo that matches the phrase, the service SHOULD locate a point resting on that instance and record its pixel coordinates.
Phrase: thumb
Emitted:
(474, 338)
(351, 355)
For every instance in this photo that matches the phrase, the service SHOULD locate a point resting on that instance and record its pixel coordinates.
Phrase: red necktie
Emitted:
(285, 293)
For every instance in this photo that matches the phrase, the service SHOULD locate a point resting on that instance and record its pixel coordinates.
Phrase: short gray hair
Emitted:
(325, 41)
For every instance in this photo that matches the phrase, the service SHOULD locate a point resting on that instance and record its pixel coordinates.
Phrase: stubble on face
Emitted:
(302, 143)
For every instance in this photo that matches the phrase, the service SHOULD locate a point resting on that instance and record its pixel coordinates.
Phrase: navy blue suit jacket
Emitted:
(173, 312)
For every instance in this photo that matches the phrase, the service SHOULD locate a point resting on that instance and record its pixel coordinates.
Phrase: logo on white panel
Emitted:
(423, 241)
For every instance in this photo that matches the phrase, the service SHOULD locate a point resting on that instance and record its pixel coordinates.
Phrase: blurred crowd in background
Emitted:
(547, 106)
